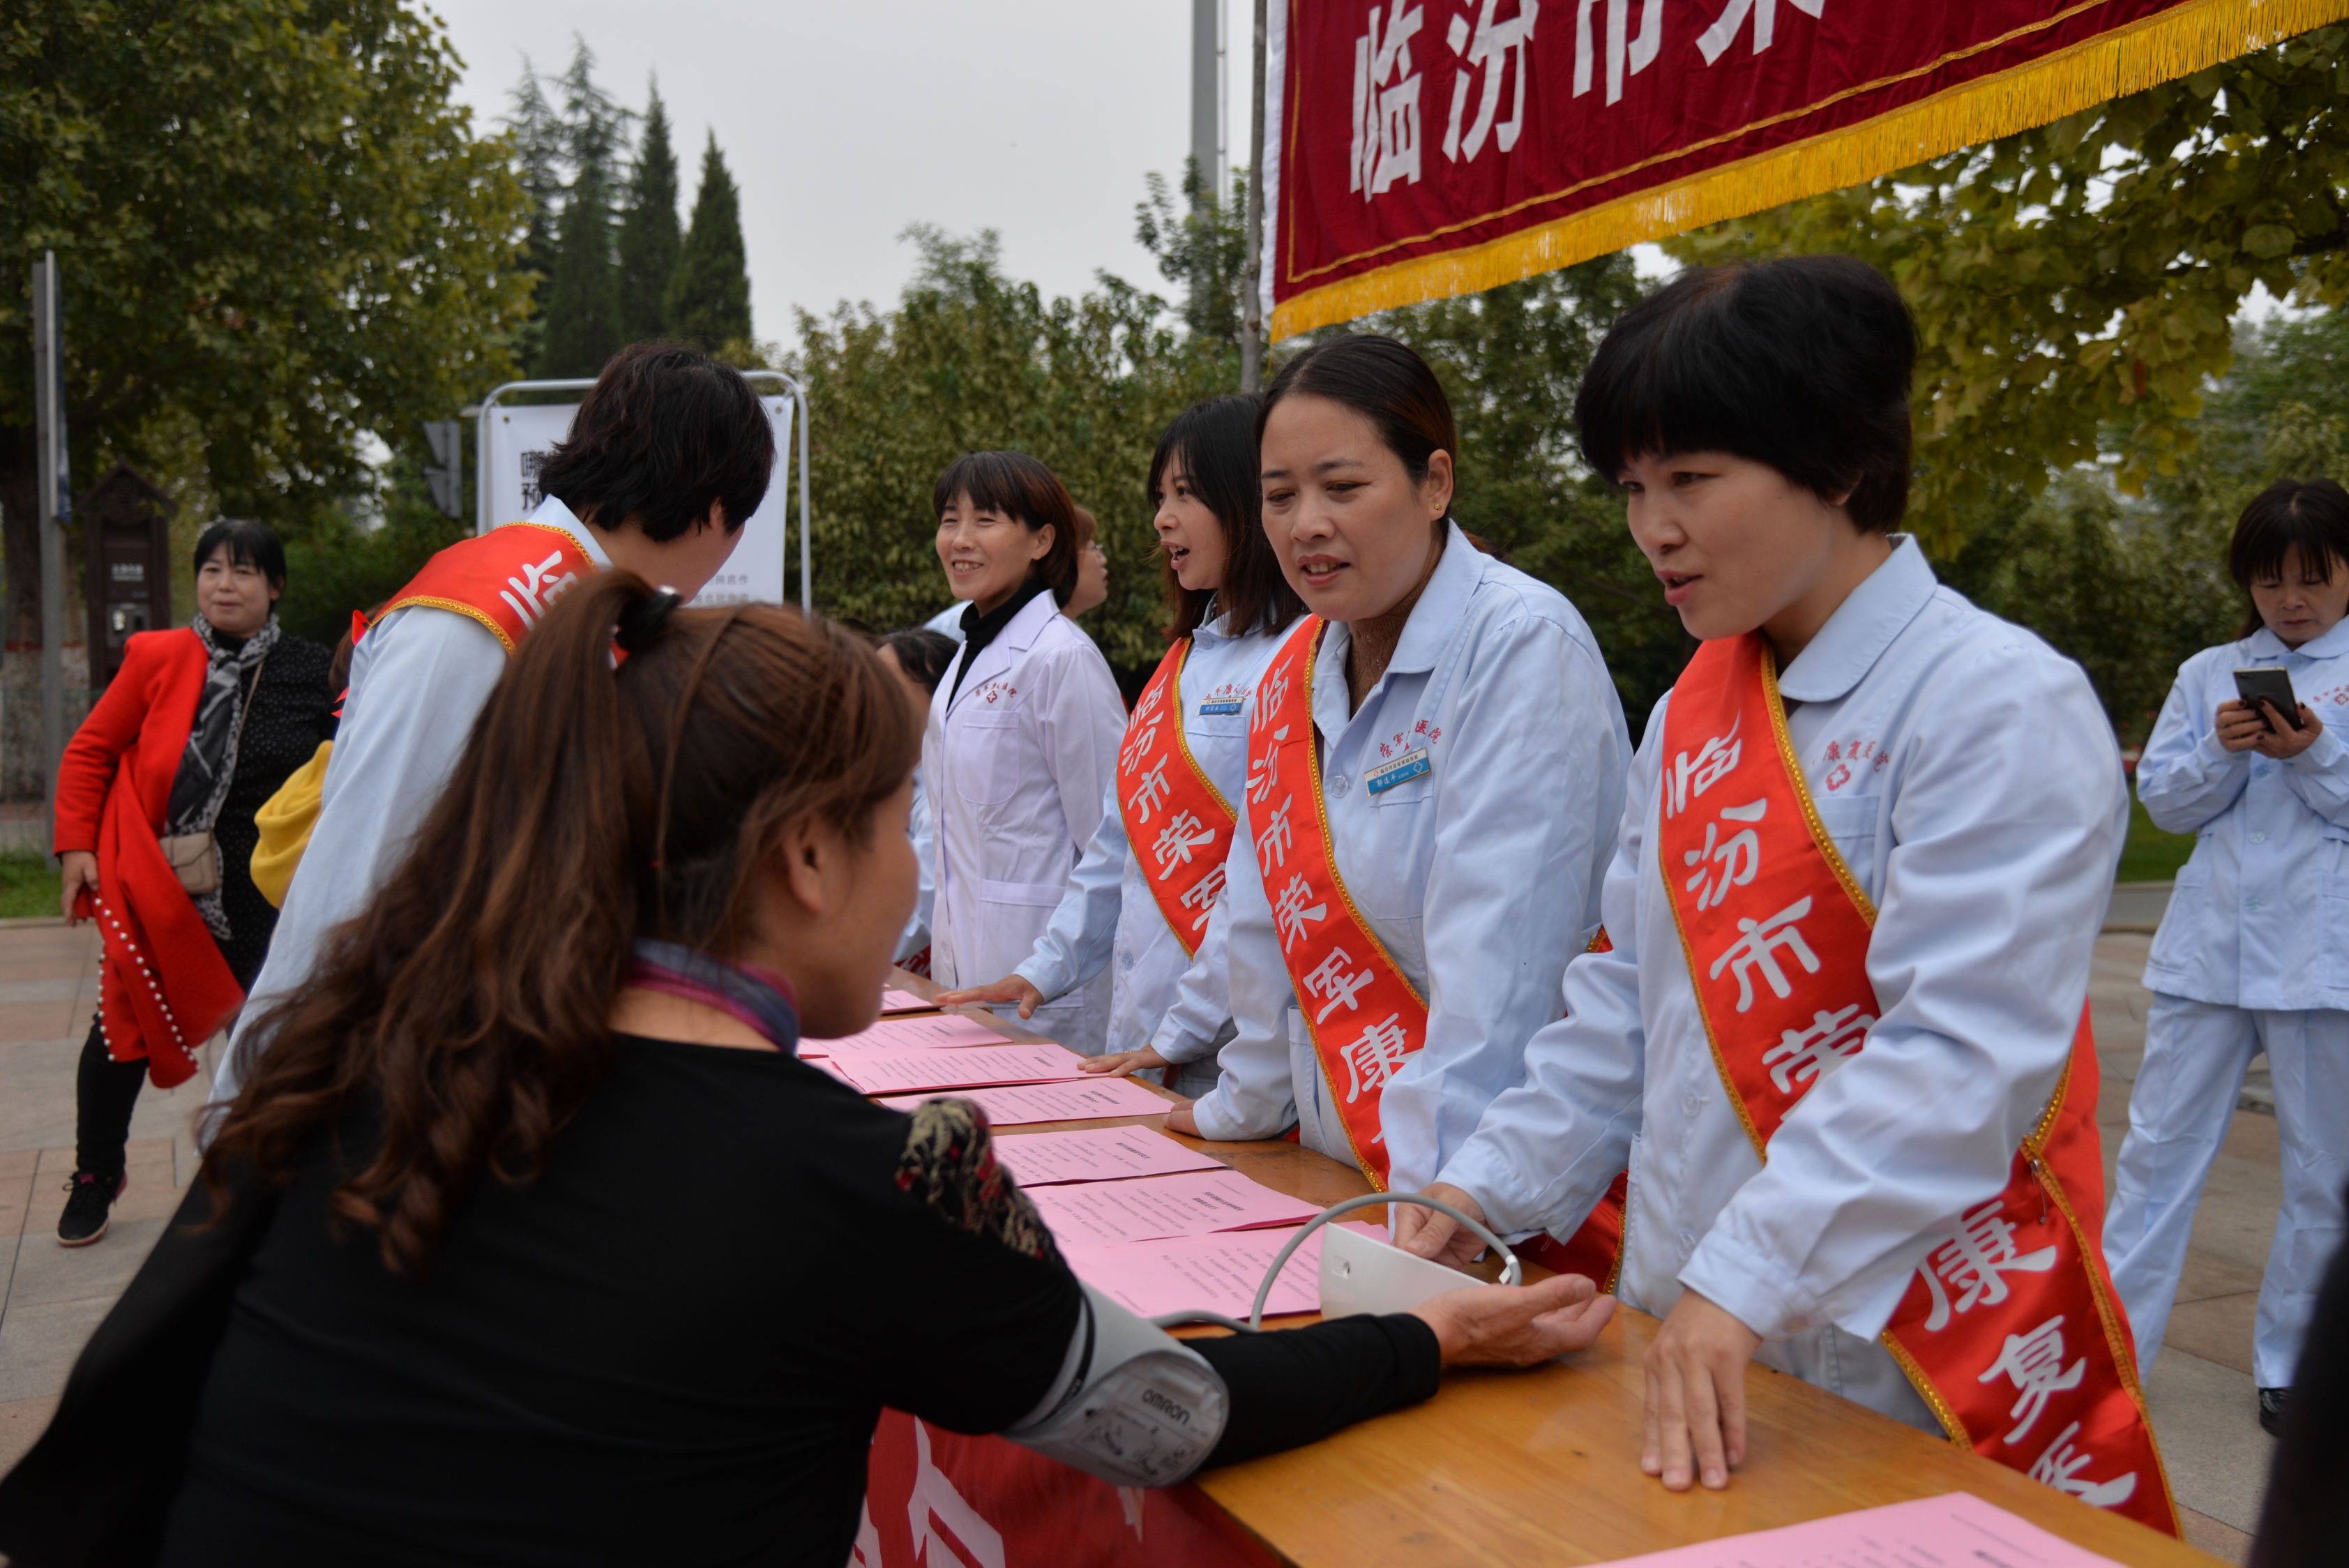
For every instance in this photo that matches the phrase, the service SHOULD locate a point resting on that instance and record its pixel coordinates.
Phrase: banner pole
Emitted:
(48, 378)
(1252, 263)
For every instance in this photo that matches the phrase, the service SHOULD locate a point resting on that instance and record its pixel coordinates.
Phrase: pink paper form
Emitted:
(1925, 1532)
(1078, 1100)
(1210, 1273)
(1096, 1154)
(891, 1072)
(896, 1001)
(931, 1031)
(1100, 1213)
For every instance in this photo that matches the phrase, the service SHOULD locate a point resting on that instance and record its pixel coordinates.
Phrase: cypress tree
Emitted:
(540, 146)
(582, 298)
(649, 234)
(583, 301)
(710, 297)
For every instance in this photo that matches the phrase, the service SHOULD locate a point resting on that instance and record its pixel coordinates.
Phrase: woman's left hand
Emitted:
(1516, 1325)
(2283, 741)
(1696, 1394)
(1182, 1120)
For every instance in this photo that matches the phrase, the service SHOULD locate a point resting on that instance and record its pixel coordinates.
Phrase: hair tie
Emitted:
(643, 621)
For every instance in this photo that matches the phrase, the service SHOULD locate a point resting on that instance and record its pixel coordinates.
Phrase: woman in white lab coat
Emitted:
(1153, 870)
(1023, 732)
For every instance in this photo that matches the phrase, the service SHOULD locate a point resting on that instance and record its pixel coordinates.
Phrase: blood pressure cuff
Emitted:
(1132, 1404)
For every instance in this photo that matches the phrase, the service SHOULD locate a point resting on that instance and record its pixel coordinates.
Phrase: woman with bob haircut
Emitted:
(435, 1300)
(1870, 836)
(2248, 958)
(1154, 869)
(1023, 731)
(1435, 767)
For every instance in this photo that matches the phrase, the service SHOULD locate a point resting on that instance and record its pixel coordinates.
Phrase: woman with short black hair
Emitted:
(1871, 837)
(156, 797)
(1023, 732)
(2248, 955)
(1138, 905)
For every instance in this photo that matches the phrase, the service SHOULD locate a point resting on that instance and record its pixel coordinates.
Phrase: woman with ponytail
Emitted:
(531, 1239)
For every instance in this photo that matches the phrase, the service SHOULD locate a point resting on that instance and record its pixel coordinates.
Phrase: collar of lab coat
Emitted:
(2265, 644)
(553, 514)
(1862, 627)
(1035, 617)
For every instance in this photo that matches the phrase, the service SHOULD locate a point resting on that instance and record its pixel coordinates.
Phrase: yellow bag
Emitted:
(286, 821)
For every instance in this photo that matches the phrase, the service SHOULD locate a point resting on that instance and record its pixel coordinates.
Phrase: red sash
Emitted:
(1177, 822)
(2009, 1330)
(1365, 1019)
(505, 578)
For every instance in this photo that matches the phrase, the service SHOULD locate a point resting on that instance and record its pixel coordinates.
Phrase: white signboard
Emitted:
(520, 440)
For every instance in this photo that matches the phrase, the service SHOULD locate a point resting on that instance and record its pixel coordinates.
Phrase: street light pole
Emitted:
(48, 419)
(1252, 263)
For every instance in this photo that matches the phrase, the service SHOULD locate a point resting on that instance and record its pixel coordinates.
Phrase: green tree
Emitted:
(1202, 248)
(649, 236)
(541, 146)
(710, 296)
(583, 297)
(971, 359)
(2074, 286)
(278, 234)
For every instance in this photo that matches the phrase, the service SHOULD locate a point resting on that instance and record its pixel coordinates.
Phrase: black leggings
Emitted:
(105, 1093)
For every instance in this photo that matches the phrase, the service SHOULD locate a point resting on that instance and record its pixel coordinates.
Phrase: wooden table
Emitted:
(1543, 1465)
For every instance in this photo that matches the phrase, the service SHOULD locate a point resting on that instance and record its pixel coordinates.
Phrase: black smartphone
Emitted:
(2269, 683)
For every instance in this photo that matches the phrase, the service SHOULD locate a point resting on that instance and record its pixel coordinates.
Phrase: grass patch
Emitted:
(2151, 854)
(29, 885)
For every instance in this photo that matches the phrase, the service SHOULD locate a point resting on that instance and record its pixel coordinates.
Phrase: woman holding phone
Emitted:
(2247, 959)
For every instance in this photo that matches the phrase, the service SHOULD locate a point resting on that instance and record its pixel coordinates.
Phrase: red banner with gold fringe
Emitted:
(1416, 149)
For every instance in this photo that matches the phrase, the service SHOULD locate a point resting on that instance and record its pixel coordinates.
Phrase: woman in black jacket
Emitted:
(540, 1243)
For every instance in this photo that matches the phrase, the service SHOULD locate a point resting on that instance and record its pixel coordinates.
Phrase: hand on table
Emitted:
(2243, 728)
(1425, 1234)
(1516, 1325)
(1696, 1394)
(1010, 987)
(1184, 1119)
(1124, 1062)
(78, 870)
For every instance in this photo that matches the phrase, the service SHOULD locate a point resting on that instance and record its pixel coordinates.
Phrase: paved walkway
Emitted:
(52, 1297)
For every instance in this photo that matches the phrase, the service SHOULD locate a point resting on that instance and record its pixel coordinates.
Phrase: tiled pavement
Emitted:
(51, 1298)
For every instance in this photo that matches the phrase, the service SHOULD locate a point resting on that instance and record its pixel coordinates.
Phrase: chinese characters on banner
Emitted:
(1415, 149)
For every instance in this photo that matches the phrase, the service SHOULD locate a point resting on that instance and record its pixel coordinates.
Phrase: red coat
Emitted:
(164, 987)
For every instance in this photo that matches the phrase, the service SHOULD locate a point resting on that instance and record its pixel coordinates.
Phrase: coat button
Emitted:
(2258, 838)
(1337, 785)
(1688, 1242)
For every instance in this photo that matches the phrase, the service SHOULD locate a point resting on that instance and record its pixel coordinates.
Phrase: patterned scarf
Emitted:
(208, 765)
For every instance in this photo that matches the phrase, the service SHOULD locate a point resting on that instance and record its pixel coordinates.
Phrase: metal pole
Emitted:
(49, 421)
(1206, 89)
(1252, 262)
(807, 594)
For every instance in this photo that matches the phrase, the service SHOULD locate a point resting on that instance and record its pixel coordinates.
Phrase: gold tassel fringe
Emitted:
(2190, 37)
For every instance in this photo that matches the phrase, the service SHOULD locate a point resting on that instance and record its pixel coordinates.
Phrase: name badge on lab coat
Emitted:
(1209, 709)
(1412, 764)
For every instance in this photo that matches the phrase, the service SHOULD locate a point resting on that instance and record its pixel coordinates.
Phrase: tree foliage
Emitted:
(276, 231)
(2075, 285)
(649, 236)
(971, 359)
(709, 295)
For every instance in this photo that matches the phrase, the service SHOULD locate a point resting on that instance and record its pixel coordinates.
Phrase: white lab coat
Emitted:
(1017, 766)
(1108, 912)
(419, 679)
(1968, 776)
(1480, 878)
(2248, 960)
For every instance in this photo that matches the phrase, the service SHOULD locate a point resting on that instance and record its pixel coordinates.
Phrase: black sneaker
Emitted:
(88, 1205)
(2271, 1409)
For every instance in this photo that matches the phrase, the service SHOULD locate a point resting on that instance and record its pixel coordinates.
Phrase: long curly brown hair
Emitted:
(467, 1007)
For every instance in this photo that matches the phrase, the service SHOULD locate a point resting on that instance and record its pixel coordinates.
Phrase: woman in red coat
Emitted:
(199, 728)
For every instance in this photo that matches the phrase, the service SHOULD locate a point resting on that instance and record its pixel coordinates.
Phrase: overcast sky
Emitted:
(845, 122)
